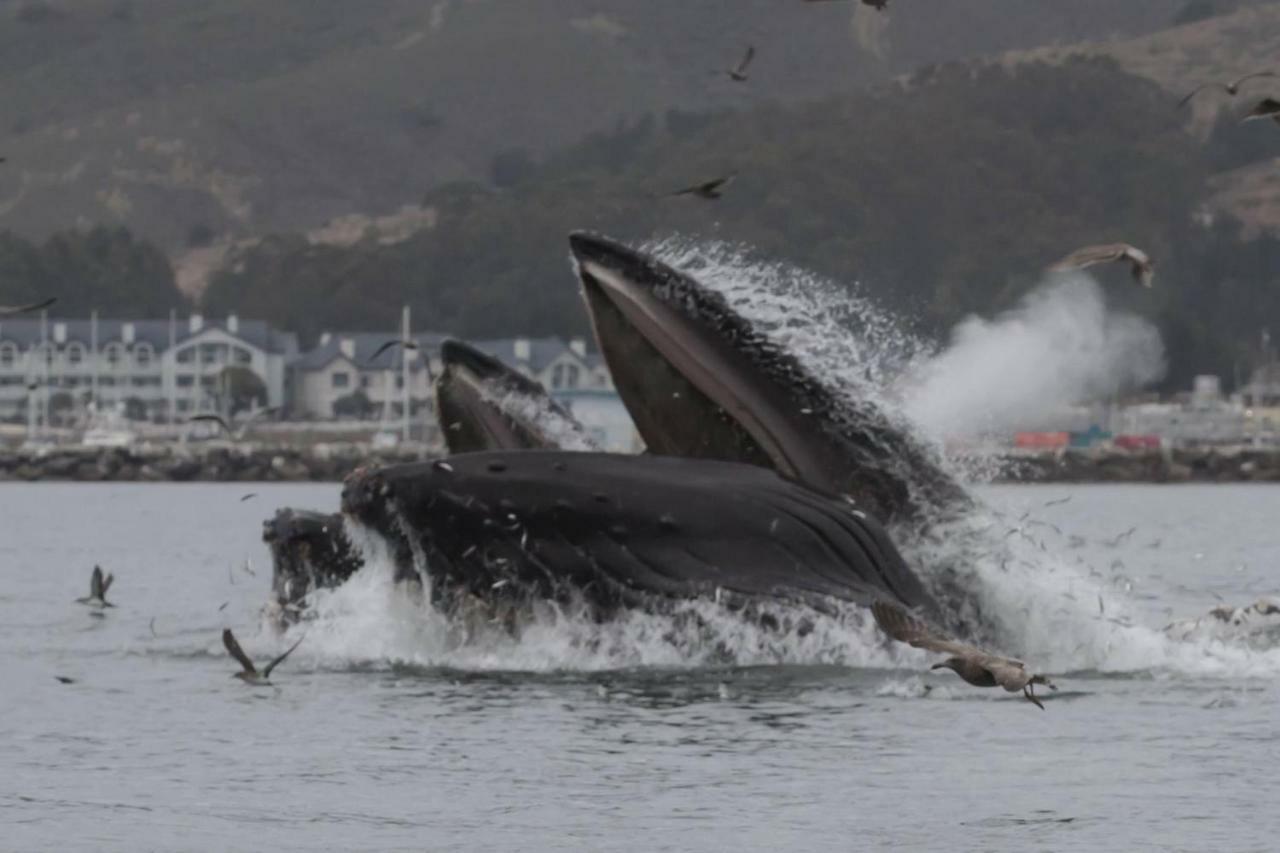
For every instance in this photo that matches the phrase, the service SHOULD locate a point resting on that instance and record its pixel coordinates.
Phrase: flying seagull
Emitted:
(98, 587)
(1266, 108)
(249, 673)
(979, 668)
(710, 190)
(388, 345)
(62, 679)
(10, 310)
(217, 419)
(1232, 88)
(739, 72)
(248, 497)
(235, 434)
(1143, 269)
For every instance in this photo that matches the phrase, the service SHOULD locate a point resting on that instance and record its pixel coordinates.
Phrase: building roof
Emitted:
(25, 332)
(365, 344)
(542, 352)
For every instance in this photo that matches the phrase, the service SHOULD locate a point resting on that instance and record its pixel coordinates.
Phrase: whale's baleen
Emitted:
(700, 381)
(485, 405)
(627, 531)
(309, 550)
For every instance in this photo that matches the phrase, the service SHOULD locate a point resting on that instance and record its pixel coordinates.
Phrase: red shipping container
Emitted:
(1041, 440)
(1137, 442)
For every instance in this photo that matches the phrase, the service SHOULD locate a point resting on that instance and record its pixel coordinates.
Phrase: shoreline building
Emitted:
(157, 369)
(324, 381)
(339, 377)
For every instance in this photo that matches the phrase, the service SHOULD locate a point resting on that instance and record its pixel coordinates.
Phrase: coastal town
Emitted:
(133, 386)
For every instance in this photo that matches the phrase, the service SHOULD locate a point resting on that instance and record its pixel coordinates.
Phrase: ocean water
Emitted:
(389, 729)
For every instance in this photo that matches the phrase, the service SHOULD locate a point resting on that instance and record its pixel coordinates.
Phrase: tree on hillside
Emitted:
(102, 268)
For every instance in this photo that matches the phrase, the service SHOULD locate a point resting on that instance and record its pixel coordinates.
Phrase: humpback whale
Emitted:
(761, 482)
(700, 381)
(485, 405)
(627, 531)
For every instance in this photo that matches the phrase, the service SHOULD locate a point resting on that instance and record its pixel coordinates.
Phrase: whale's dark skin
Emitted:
(309, 550)
(701, 382)
(485, 405)
(624, 531)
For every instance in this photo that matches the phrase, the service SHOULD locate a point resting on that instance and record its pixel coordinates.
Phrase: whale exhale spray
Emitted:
(1059, 346)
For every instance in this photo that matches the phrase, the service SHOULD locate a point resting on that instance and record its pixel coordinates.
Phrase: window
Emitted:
(75, 353)
(365, 380)
(242, 355)
(107, 381)
(399, 381)
(184, 355)
(565, 376)
(142, 355)
(185, 381)
(113, 352)
(8, 355)
(341, 380)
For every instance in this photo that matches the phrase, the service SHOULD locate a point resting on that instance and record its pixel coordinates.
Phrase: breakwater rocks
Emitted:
(1188, 465)
(332, 461)
(329, 463)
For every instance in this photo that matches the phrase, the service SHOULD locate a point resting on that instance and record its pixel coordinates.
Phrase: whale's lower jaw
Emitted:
(626, 531)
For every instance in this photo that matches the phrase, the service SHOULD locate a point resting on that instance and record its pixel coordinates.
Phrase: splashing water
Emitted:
(1037, 602)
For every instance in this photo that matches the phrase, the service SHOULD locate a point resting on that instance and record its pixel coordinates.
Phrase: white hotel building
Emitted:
(157, 363)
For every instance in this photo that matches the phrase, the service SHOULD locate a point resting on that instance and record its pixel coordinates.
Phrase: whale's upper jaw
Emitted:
(700, 381)
(689, 392)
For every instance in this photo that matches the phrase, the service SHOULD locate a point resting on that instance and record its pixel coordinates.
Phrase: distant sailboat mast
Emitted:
(44, 370)
(404, 372)
(172, 358)
(93, 356)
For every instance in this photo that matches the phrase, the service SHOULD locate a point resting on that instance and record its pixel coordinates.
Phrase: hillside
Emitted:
(196, 122)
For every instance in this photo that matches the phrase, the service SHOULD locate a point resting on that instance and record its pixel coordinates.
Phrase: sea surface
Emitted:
(388, 730)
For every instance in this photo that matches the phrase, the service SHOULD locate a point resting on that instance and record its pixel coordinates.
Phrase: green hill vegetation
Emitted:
(945, 197)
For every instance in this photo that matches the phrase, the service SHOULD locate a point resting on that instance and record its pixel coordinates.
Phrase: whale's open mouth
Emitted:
(485, 405)
(701, 382)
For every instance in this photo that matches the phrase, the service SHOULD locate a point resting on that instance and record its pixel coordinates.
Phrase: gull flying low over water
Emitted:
(1266, 108)
(1140, 262)
(10, 310)
(98, 587)
(248, 673)
(739, 72)
(710, 190)
(1232, 88)
(979, 668)
(226, 427)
